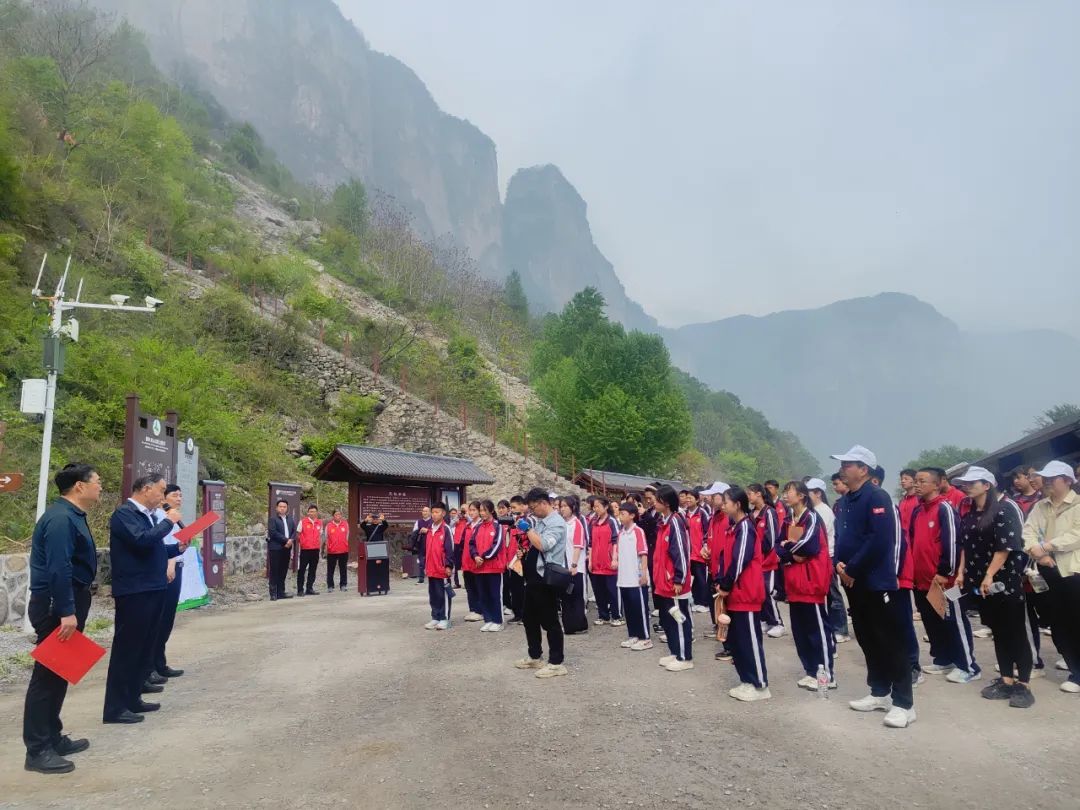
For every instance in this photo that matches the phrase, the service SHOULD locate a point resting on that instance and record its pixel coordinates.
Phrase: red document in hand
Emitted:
(70, 659)
(203, 523)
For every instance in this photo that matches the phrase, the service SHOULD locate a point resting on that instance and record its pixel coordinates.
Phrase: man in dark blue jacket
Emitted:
(868, 555)
(139, 562)
(63, 563)
(281, 531)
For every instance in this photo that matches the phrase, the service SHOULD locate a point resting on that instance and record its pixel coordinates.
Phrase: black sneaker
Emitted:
(48, 761)
(1021, 697)
(67, 746)
(997, 689)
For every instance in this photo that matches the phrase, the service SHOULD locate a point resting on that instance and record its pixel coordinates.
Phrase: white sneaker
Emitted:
(630, 642)
(899, 718)
(600, 622)
(551, 671)
(699, 609)
(917, 678)
(983, 632)
(667, 659)
(430, 625)
(495, 628)
(486, 627)
(1046, 631)
(1038, 672)
(643, 644)
(1070, 687)
(663, 638)
(841, 638)
(776, 631)
(529, 663)
(443, 625)
(938, 669)
(617, 622)
(473, 617)
(807, 682)
(872, 704)
(962, 676)
(507, 612)
(679, 666)
(1061, 665)
(655, 613)
(748, 693)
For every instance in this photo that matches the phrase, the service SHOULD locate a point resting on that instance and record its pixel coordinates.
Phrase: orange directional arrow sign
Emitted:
(10, 482)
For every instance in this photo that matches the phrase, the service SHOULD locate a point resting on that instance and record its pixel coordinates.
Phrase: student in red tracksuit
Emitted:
(719, 525)
(804, 551)
(740, 582)
(905, 579)
(697, 522)
(672, 581)
(768, 518)
(310, 532)
(438, 566)
(517, 546)
(487, 548)
(603, 535)
(337, 550)
(574, 618)
(470, 519)
(937, 559)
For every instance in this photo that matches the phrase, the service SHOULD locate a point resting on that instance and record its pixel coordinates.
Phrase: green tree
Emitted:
(245, 146)
(946, 456)
(1058, 413)
(349, 207)
(514, 294)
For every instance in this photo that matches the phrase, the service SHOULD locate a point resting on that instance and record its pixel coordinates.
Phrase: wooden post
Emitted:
(573, 466)
(322, 332)
(376, 363)
(404, 379)
(556, 461)
(464, 415)
(346, 343)
(436, 398)
(149, 235)
(190, 265)
(603, 482)
(524, 444)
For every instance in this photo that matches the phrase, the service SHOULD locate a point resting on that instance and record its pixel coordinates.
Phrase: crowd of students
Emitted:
(946, 549)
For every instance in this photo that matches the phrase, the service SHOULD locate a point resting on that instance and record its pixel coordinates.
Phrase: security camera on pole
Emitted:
(54, 365)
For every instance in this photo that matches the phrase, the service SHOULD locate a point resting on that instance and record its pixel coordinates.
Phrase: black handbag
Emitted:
(558, 577)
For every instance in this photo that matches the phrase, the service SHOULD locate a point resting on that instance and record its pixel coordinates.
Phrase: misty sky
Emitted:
(796, 153)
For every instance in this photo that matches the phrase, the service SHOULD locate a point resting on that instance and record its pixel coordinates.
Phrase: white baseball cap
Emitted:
(974, 474)
(717, 488)
(858, 453)
(816, 483)
(1057, 468)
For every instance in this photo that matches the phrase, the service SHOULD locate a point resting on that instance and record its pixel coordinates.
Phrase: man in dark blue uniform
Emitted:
(869, 553)
(63, 563)
(140, 560)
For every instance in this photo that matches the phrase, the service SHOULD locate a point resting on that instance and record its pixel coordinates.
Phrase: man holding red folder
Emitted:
(63, 563)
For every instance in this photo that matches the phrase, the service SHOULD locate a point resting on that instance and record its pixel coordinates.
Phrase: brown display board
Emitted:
(149, 445)
(400, 504)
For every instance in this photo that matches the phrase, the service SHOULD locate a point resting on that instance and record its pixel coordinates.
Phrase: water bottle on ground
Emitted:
(822, 682)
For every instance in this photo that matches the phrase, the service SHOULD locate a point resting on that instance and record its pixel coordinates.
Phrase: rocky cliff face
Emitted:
(546, 238)
(332, 108)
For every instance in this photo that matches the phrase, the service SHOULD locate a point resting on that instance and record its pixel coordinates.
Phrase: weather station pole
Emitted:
(54, 366)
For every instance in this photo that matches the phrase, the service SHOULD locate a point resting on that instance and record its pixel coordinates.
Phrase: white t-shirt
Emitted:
(829, 519)
(631, 544)
(575, 543)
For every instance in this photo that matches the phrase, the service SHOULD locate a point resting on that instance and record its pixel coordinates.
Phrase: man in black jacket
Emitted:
(139, 560)
(280, 535)
(63, 563)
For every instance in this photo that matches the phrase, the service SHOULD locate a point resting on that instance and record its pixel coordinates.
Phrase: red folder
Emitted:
(70, 659)
(203, 523)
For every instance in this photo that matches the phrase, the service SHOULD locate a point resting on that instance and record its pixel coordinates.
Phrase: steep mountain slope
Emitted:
(889, 371)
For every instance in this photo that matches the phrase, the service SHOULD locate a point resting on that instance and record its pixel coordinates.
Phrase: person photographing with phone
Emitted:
(543, 567)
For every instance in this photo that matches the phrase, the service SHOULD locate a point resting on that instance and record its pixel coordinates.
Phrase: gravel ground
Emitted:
(340, 701)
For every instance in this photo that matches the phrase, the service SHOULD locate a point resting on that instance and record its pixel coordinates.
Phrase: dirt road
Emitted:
(339, 701)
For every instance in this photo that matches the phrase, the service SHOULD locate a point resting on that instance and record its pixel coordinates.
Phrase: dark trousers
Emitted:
(636, 609)
(1007, 618)
(770, 612)
(878, 620)
(439, 598)
(341, 561)
(911, 637)
(1033, 634)
(514, 594)
(459, 551)
(837, 608)
(950, 637)
(606, 590)
(158, 660)
(45, 694)
(489, 589)
(573, 607)
(747, 651)
(680, 637)
(472, 592)
(279, 567)
(542, 613)
(1064, 611)
(700, 587)
(813, 636)
(137, 617)
(309, 564)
